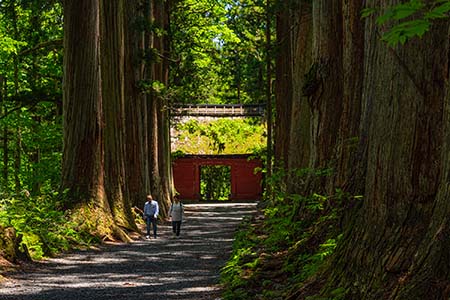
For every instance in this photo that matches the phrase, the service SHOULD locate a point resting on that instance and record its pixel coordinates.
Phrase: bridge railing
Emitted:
(219, 110)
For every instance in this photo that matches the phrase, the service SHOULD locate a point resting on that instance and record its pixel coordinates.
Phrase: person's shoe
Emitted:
(147, 237)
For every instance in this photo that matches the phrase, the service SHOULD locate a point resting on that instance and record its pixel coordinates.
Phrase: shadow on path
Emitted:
(166, 268)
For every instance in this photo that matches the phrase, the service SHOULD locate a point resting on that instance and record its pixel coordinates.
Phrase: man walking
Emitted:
(151, 211)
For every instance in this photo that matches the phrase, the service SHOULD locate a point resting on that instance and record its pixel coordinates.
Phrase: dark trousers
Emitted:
(176, 226)
(151, 221)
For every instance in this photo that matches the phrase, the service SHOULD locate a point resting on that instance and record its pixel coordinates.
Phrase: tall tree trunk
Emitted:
(124, 134)
(283, 87)
(351, 163)
(136, 166)
(238, 77)
(326, 100)
(166, 153)
(381, 120)
(296, 34)
(396, 247)
(17, 160)
(82, 163)
(5, 172)
(113, 96)
(158, 116)
(309, 89)
(269, 106)
(152, 108)
(428, 276)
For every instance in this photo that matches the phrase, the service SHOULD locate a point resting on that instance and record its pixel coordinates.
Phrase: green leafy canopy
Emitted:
(219, 46)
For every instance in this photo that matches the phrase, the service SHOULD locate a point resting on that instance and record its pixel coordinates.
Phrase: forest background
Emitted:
(215, 47)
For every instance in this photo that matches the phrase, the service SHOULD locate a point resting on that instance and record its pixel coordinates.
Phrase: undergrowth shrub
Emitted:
(43, 227)
(296, 232)
(243, 257)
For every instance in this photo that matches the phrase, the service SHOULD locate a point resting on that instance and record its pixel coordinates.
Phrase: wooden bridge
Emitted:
(219, 110)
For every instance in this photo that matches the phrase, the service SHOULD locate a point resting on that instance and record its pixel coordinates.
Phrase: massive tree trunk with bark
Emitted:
(294, 31)
(83, 165)
(309, 108)
(159, 141)
(396, 247)
(325, 86)
(380, 120)
(162, 75)
(283, 87)
(111, 127)
(114, 102)
(136, 167)
(350, 164)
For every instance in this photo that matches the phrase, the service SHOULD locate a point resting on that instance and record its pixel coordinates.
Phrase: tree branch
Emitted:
(31, 100)
(58, 43)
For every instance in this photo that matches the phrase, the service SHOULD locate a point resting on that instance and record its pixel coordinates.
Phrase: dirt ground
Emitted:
(168, 267)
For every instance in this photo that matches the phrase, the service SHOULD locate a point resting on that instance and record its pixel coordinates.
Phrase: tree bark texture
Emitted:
(82, 169)
(349, 162)
(110, 130)
(113, 96)
(269, 100)
(162, 75)
(325, 98)
(397, 245)
(283, 87)
(294, 32)
(158, 132)
(380, 120)
(314, 36)
(136, 166)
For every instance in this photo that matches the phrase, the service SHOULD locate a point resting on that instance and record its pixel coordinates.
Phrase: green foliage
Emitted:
(30, 71)
(244, 256)
(405, 31)
(301, 231)
(337, 294)
(222, 136)
(44, 227)
(9, 46)
(40, 132)
(313, 262)
(219, 50)
(215, 182)
(410, 19)
(155, 86)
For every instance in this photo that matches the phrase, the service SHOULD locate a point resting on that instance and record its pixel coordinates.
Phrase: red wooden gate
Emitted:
(245, 182)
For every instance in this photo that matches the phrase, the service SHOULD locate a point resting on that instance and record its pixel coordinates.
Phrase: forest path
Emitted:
(166, 268)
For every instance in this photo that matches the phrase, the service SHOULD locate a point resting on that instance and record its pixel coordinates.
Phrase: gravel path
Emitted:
(166, 268)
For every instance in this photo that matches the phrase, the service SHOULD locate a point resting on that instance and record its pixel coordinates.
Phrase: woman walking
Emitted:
(176, 213)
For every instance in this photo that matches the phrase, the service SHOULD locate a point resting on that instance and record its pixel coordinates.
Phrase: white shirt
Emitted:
(176, 211)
